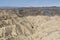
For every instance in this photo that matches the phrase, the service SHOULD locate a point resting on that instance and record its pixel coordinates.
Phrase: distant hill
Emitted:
(29, 7)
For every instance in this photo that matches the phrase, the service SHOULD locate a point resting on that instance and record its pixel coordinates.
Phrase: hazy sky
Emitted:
(28, 3)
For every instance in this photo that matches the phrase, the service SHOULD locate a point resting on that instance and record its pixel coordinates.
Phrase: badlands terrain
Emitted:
(30, 24)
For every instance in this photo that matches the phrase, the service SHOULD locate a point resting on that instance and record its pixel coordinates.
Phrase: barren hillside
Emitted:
(30, 24)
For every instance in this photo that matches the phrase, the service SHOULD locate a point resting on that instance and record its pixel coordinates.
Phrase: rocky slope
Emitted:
(30, 24)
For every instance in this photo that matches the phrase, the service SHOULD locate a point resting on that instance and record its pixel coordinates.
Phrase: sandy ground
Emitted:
(37, 27)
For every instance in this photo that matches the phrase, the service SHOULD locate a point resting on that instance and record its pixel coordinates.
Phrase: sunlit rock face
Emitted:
(29, 24)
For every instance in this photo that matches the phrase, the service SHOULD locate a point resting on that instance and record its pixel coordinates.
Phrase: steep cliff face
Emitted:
(29, 24)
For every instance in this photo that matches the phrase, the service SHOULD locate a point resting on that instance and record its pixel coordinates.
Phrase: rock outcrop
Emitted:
(29, 24)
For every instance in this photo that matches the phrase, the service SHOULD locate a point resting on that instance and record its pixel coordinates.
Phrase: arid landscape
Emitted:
(30, 23)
